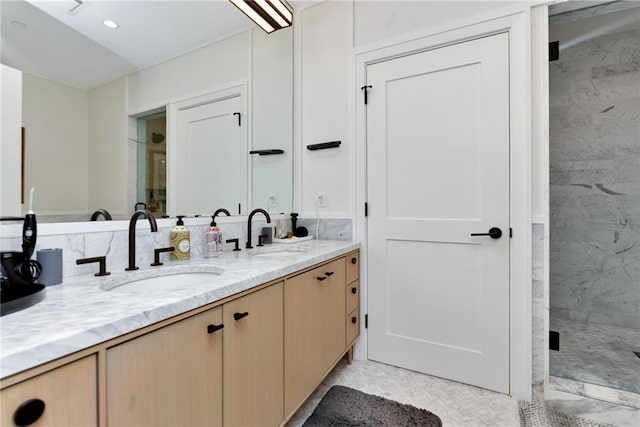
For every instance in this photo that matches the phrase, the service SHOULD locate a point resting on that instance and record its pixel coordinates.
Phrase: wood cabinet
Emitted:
(249, 360)
(169, 377)
(69, 394)
(314, 329)
(252, 359)
(179, 374)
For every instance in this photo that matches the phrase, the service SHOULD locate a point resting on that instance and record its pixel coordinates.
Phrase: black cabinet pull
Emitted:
(353, 290)
(354, 260)
(29, 412)
(494, 233)
(212, 328)
(328, 273)
(354, 320)
(238, 316)
(321, 278)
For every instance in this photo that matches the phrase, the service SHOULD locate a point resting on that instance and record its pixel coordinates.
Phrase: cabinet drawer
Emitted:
(353, 266)
(353, 326)
(353, 296)
(69, 394)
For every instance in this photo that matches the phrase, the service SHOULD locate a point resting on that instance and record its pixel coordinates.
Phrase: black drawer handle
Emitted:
(212, 328)
(354, 260)
(328, 273)
(354, 290)
(29, 412)
(321, 278)
(354, 320)
(239, 316)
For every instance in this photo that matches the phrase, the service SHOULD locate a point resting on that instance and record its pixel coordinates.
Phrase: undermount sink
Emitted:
(281, 251)
(151, 281)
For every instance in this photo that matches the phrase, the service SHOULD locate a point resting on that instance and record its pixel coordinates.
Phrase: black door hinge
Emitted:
(554, 340)
(366, 321)
(366, 209)
(365, 92)
(554, 51)
(510, 232)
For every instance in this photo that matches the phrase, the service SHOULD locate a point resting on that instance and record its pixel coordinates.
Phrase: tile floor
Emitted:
(455, 403)
(596, 354)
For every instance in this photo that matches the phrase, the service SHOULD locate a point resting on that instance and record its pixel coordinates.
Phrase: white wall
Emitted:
(10, 145)
(324, 46)
(55, 118)
(107, 154)
(376, 21)
(203, 70)
(272, 117)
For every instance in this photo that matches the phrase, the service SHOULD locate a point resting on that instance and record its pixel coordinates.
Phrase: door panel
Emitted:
(435, 129)
(438, 169)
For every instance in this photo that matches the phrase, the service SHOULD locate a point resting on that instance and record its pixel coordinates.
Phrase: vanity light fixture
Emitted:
(270, 15)
(110, 24)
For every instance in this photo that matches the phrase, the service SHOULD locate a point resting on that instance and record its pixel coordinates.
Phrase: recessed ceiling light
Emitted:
(19, 24)
(110, 24)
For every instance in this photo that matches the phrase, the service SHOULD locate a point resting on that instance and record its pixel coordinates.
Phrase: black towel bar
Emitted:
(266, 152)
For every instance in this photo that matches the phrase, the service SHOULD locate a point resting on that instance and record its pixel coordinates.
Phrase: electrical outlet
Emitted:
(321, 200)
(272, 202)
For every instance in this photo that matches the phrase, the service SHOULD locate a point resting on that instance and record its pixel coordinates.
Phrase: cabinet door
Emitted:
(314, 328)
(252, 354)
(169, 377)
(69, 394)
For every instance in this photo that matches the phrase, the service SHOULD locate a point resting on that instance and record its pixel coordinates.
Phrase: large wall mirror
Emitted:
(163, 110)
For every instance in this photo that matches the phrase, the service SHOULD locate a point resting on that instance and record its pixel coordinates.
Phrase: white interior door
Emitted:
(438, 172)
(213, 157)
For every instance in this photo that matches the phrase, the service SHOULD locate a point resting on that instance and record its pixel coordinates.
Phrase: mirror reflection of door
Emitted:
(152, 165)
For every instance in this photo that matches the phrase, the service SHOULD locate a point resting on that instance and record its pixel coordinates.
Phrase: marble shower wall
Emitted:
(537, 311)
(115, 244)
(594, 160)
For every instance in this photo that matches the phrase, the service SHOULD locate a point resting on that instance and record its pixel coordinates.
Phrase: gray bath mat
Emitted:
(343, 406)
(536, 415)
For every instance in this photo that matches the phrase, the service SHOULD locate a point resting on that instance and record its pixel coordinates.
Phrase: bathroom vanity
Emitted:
(243, 347)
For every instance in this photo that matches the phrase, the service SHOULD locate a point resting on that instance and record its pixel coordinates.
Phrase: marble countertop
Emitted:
(78, 313)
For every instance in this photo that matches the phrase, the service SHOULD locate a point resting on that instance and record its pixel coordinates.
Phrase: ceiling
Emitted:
(78, 50)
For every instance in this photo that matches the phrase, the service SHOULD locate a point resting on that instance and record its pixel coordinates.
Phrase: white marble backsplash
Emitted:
(115, 244)
(594, 156)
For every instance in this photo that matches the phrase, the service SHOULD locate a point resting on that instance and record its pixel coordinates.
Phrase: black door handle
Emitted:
(494, 233)
(238, 316)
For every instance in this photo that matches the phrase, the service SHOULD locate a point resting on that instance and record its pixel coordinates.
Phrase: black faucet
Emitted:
(132, 234)
(218, 212)
(253, 212)
(103, 212)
